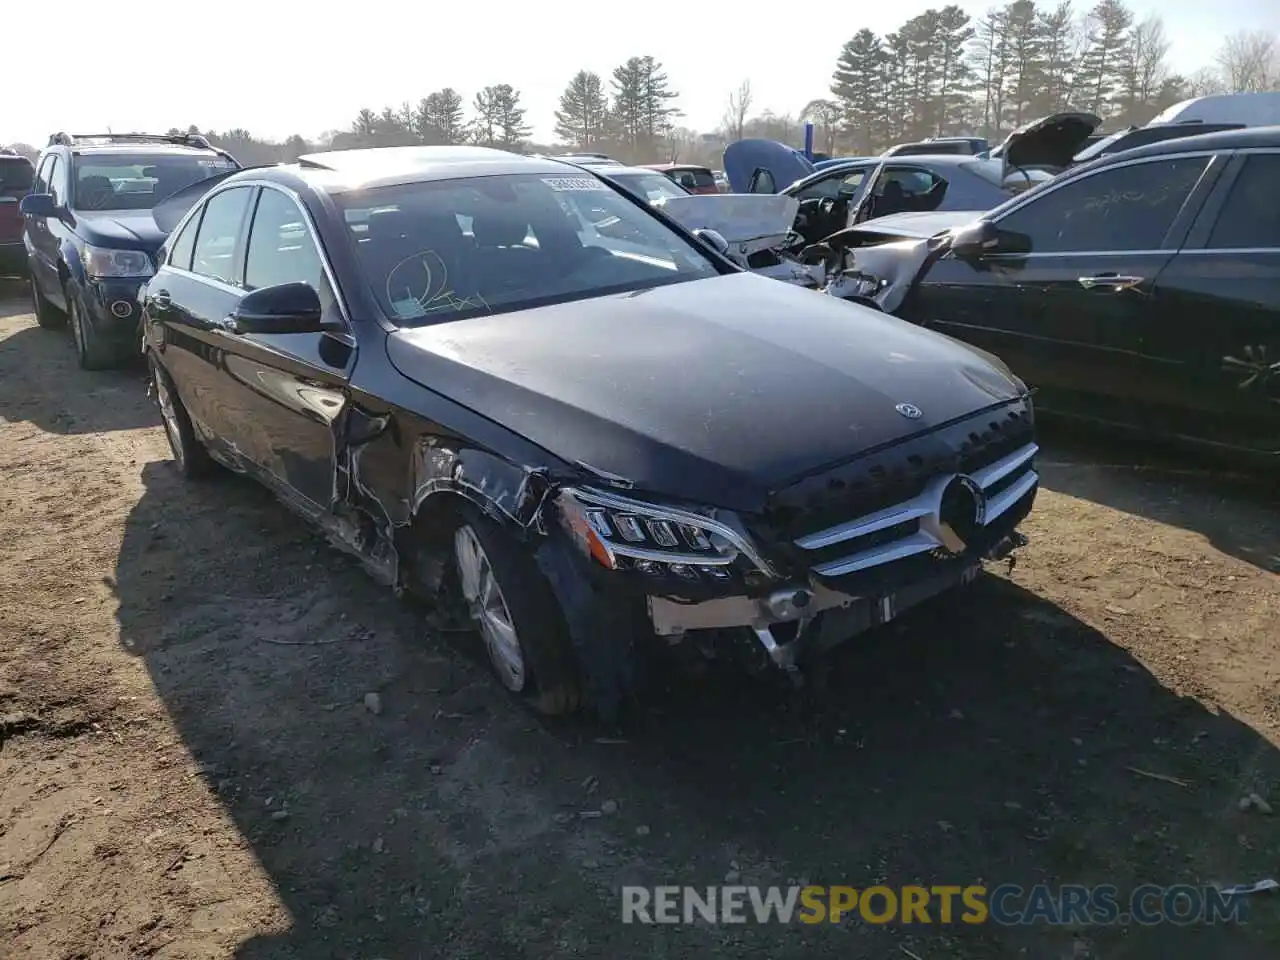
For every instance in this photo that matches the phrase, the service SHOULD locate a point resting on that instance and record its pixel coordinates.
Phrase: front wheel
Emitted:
(91, 352)
(48, 316)
(517, 616)
(189, 454)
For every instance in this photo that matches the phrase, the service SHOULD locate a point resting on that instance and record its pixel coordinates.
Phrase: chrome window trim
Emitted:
(306, 218)
(1202, 251)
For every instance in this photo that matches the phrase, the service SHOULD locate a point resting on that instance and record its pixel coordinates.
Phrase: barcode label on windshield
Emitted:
(563, 184)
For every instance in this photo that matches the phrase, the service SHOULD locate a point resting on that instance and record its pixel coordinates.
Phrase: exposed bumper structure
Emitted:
(959, 520)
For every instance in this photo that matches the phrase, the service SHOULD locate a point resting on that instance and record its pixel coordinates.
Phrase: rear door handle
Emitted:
(1109, 281)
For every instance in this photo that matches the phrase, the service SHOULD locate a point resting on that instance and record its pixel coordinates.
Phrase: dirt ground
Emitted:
(189, 769)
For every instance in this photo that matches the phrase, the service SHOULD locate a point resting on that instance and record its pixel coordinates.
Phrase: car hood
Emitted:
(910, 226)
(738, 217)
(1051, 141)
(713, 391)
(112, 228)
(743, 157)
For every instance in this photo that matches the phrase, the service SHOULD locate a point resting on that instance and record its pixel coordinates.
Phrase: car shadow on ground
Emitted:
(110, 394)
(1234, 509)
(987, 738)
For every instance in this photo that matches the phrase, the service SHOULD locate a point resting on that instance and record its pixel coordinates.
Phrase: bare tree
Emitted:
(1205, 82)
(1248, 61)
(736, 109)
(825, 115)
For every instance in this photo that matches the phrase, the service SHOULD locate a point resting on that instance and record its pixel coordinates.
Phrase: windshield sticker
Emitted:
(573, 184)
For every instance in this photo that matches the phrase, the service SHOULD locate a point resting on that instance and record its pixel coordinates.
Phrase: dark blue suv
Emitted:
(90, 236)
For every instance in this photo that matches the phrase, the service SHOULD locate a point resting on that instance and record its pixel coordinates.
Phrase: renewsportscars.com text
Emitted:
(1005, 905)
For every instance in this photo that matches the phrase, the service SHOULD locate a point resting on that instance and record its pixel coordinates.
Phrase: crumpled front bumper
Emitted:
(820, 616)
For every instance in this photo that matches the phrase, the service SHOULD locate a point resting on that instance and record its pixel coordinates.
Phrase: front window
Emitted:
(1118, 208)
(448, 249)
(649, 187)
(138, 182)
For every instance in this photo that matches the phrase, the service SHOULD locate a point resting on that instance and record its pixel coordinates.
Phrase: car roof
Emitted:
(1222, 140)
(614, 171)
(336, 171)
(664, 167)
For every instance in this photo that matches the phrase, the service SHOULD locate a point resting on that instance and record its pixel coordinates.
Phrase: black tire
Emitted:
(190, 457)
(551, 683)
(47, 315)
(91, 352)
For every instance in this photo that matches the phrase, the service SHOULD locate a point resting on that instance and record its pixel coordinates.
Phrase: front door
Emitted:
(1075, 312)
(287, 392)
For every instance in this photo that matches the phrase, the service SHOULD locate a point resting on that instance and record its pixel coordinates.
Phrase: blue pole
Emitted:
(808, 141)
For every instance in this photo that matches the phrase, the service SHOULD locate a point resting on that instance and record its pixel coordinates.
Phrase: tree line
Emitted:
(941, 73)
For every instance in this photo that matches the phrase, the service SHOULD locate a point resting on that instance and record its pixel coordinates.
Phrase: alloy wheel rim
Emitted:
(489, 609)
(170, 416)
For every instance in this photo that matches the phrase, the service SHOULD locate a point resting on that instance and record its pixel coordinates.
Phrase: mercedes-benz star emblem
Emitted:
(909, 410)
(960, 516)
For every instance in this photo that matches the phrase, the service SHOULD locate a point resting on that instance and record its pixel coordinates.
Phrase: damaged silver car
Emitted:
(519, 392)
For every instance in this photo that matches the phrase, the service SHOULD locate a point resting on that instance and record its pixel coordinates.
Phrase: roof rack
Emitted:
(182, 139)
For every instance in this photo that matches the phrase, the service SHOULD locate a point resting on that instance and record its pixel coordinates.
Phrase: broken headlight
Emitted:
(620, 533)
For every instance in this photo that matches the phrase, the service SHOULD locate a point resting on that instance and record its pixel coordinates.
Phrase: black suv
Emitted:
(90, 235)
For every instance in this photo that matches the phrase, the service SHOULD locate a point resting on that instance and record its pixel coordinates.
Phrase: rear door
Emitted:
(1222, 309)
(1077, 314)
(188, 299)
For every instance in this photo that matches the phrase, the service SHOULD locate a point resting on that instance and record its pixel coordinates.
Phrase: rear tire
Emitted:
(91, 352)
(189, 454)
(516, 615)
(48, 316)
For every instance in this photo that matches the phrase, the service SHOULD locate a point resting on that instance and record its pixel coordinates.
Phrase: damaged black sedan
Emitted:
(519, 392)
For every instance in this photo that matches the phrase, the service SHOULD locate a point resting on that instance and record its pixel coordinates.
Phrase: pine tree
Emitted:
(858, 88)
(583, 114)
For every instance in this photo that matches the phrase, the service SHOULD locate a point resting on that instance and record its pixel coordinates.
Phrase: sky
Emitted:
(277, 68)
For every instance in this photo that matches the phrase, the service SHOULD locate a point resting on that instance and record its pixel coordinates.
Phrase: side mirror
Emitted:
(976, 239)
(713, 239)
(284, 308)
(38, 205)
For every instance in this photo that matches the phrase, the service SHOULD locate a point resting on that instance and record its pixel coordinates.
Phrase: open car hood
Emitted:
(785, 164)
(740, 218)
(1051, 141)
(170, 211)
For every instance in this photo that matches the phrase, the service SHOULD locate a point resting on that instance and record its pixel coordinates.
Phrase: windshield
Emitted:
(448, 249)
(138, 182)
(649, 187)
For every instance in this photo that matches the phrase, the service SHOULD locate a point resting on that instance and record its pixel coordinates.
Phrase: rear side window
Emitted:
(1250, 218)
(16, 176)
(215, 246)
(183, 244)
(1115, 209)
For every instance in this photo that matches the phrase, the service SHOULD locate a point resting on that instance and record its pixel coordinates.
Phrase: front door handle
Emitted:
(1108, 281)
(160, 300)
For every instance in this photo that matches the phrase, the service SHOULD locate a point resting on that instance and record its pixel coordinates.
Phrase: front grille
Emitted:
(887, 509)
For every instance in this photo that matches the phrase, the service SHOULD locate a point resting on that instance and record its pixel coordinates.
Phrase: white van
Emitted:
(1251, 109)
